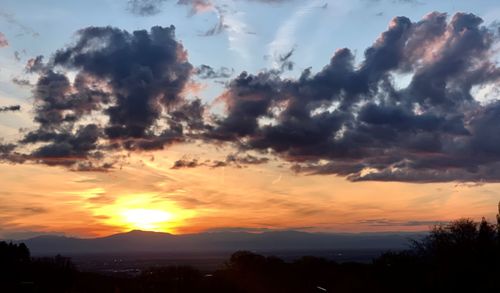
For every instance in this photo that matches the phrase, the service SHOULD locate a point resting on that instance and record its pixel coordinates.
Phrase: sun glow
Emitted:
(146, 219)
(147, 212)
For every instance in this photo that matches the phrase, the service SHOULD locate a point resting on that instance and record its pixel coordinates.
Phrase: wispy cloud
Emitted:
(284, 39)
(237, 30)
(145, 7)
(12, 20)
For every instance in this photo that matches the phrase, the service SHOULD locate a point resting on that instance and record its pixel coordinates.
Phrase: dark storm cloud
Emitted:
(35, 65)
(134, 81)
(64, 148)
(7, 148)
(189, 113)
(145, 72)
(354, 120)
(9, 155)
(12, 108)
(248, 98)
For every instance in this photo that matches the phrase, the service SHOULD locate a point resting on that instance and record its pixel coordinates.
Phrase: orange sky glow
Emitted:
(147, 195)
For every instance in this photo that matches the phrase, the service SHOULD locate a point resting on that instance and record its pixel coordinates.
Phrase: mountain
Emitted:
(142, 241)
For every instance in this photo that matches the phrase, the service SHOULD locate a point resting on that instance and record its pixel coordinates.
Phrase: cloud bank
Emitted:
(126, 95)
(355, 120)
(362, 121)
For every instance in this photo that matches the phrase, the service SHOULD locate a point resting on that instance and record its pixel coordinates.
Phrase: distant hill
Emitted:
(142, 241)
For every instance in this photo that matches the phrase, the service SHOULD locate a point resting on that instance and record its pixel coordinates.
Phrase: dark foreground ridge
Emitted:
(462, 256)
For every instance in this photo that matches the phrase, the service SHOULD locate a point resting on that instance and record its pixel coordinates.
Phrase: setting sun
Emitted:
(145, 219)
(144, 211)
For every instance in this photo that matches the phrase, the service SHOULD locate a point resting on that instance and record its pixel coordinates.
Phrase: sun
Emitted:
(145, 211)
(147, 219)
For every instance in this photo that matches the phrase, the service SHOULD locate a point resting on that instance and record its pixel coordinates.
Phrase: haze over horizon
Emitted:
(185, 116)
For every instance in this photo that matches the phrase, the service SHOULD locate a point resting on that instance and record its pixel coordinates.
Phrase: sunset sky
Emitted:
(184, 116)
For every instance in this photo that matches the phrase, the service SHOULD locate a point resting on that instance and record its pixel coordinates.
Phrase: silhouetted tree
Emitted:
(458, 256)
(498, 225)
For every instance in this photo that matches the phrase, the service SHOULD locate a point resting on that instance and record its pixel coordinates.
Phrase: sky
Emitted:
(184, 116)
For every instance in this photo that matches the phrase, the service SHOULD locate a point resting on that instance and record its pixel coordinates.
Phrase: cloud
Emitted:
(35, 65)
(245, 159)
(235, 160)
(153, 7)
(8, 154)
(221, 24)
(12, 20)
(134, 81)
(229, 20)
(21, 82)
(3, 40)
(206, 72)
(145, 72)
(10, 108)
(284, 61)
(186, 163)
(284, 40)
(64, 148)
(353, 120)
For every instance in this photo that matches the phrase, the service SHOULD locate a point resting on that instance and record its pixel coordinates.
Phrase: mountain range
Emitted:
(143, 241)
